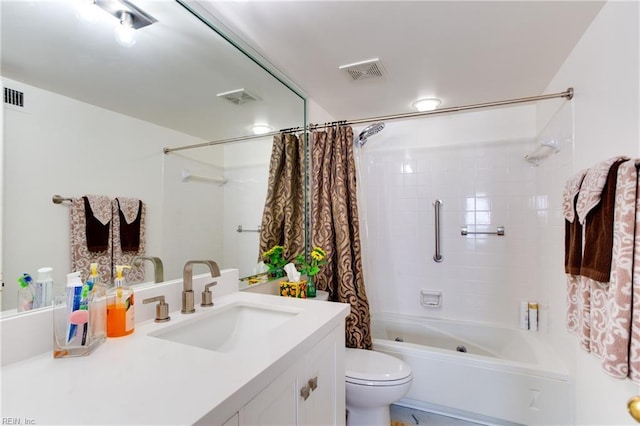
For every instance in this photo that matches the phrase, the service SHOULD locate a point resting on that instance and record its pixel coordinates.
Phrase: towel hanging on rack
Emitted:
(605, 315)
(129, 235)
(81, 256)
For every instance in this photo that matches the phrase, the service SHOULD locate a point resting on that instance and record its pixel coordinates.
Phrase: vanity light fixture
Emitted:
(130, 16)
(261, 129)
(426, 104)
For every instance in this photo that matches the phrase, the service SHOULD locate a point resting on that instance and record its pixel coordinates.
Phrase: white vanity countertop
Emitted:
(140, 379)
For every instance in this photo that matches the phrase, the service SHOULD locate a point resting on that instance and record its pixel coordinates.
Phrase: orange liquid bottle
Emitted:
(120, 307)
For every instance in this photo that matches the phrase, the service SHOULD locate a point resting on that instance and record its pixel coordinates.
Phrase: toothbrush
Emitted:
(84, 306)
(77, 295)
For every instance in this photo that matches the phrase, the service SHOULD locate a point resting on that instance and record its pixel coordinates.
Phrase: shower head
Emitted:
(369, 131)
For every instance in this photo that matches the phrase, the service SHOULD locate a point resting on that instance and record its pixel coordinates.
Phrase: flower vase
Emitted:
(311, 286)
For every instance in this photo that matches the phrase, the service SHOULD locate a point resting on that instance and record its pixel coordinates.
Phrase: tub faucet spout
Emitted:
(188, 305)
(158, 269)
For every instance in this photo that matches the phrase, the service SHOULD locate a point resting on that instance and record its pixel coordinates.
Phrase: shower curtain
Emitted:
(283, 215)
(335, 228)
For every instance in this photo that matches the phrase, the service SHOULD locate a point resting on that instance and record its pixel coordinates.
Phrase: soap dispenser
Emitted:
(120, 307)
(98, 311)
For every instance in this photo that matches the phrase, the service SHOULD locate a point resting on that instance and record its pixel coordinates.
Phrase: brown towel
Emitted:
(129, 231)
(129, 235)
(81, 257)
(97, 232)
(572, 245)
(598, 235)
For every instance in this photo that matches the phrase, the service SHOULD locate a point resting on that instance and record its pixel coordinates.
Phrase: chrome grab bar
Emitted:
(499, 231)
(437, 257)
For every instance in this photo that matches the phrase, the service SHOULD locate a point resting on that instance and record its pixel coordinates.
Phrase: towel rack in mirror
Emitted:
(241, 229)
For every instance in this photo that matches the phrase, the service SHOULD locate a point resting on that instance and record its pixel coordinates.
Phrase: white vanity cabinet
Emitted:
(310, 392)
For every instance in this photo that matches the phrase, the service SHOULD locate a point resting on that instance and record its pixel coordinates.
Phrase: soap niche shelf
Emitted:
(430, 299)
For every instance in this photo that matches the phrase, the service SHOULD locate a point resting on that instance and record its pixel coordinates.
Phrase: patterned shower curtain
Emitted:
(283, 215)
(335, 228)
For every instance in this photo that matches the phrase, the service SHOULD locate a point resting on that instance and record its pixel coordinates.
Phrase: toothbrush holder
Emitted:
(73, 334)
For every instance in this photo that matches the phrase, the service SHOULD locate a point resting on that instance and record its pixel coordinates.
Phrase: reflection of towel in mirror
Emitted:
(129, 219)
(130, 214)
(97, 212)
(81, 255)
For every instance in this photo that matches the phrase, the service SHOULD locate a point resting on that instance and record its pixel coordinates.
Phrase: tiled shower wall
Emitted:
(482, 185)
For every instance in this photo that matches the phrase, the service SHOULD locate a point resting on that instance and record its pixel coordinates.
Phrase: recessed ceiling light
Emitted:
(260, 129)
(426, 104)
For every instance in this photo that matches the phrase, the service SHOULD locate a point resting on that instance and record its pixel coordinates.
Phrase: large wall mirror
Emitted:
(98, 112)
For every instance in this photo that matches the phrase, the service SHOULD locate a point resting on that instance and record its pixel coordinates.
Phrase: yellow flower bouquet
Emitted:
(310, 269)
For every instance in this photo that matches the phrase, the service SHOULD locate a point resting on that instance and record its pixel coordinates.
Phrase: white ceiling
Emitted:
(461, 52)
(170, 77)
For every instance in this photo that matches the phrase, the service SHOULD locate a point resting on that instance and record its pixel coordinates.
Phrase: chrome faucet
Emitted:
(158, 269)
(187, 283)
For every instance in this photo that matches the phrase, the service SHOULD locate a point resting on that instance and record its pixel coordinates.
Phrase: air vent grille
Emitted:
(365, 70)
(13, 97)
(238, 96)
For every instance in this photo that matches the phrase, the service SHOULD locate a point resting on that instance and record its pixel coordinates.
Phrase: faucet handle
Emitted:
(162, 308)
(207, 297)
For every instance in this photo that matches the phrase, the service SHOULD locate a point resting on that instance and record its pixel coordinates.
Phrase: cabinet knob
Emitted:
(305, 392)
(313, 383)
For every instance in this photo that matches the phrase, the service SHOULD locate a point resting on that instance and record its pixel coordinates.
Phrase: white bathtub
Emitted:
(505, 376)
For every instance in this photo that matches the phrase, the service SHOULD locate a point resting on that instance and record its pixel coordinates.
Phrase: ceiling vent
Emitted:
(13, 97)
(238, 96)
(365, 70)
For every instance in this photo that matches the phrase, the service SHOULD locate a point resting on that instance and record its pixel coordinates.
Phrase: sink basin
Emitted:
(228, 328)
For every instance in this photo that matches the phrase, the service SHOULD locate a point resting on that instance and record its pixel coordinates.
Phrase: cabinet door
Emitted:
(325, 404)
(275, 405)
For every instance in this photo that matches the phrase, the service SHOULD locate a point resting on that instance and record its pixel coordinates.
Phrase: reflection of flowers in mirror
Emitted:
(275, 261)
(318, 258)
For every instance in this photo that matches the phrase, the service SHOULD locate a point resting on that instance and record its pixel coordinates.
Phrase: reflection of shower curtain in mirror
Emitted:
(283, 215)
(335, 228)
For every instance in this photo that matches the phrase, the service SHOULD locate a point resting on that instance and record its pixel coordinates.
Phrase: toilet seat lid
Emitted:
(371, 366)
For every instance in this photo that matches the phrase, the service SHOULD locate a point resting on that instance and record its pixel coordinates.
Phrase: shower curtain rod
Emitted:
(568, 94)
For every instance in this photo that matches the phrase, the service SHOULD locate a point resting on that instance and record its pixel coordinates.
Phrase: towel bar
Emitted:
(59, 199)
(241, 229)
(499, 231)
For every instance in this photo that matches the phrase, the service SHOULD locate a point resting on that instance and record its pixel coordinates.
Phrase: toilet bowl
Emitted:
(373, 382)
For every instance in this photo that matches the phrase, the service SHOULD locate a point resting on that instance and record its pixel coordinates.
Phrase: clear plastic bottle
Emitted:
(98, 309)
(26, 293)
(120, 307)
(533, 316)
(44, 288)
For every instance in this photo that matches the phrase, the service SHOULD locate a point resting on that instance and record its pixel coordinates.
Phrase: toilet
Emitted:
(374, 381)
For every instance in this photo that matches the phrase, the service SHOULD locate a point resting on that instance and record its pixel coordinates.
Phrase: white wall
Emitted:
(247, 173)
(474, 163)
(192, 214)
(604, 70)
(63, 146)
